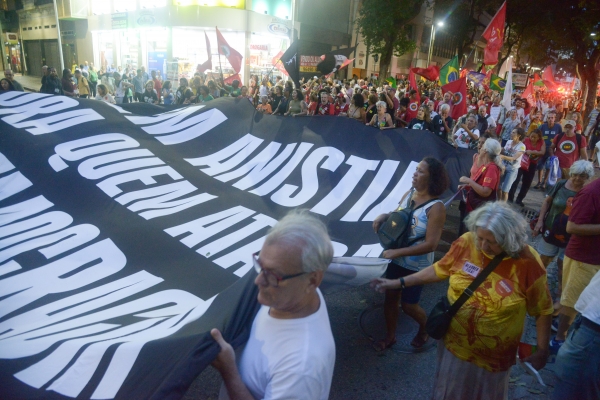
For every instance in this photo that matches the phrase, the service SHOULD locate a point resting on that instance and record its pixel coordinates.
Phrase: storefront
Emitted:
(12, 51)
(170, 36)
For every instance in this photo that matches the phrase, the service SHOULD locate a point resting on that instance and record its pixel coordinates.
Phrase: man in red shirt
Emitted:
(569, 147)
(340, 104)
(413, 106)
(157, 85)
(582, 255)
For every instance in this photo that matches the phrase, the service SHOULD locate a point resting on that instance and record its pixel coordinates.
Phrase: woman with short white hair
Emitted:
(382, 119)
(481, 343)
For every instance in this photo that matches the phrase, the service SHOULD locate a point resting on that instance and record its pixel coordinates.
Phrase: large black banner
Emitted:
(126, 233)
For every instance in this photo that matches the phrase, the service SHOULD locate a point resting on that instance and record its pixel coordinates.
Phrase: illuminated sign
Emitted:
(279, 29)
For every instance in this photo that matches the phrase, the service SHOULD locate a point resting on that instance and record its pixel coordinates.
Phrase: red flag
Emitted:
(229, 80)
(528, 95)
(494, 34)
(464, 72)
(235, 58)
(431, 73)
(207, 64)
(344, 65)
(548, 79)
(413, 83)
(459, 97)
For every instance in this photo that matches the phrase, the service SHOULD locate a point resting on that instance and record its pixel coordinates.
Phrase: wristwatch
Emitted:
(402, 284)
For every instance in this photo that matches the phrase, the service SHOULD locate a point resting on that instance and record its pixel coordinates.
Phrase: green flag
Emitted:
(497, 83)
(449, 72)
(391, 81)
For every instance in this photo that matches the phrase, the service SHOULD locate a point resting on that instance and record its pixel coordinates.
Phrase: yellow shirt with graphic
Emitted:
(487, 329)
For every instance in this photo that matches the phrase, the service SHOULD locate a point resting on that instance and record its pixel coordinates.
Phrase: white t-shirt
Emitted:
(520, 114)
(598, 151)
(463, 139)
(288, 358)
(589, 300)
(511, 151)
(107, 98)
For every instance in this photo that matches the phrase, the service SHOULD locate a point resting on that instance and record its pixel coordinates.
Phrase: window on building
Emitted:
(152, 3)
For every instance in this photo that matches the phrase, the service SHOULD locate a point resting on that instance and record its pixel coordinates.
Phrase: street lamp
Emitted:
(432, 40)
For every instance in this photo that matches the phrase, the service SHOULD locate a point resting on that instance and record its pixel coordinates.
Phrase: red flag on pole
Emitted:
(413, 83)
(528, 95)
(548, 79)
(207, 64)
(279, 65)
(431, 73)
(494, 34)
(459, 97)
(235, 58)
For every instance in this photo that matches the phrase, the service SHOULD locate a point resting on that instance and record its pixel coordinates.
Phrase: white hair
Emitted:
(381, 104)
(301, 230)
(582, 167)
(493, 148)
(508, 226)
(444, 107)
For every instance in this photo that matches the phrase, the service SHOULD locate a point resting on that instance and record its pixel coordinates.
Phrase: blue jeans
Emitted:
(510, 174)
(578, 365)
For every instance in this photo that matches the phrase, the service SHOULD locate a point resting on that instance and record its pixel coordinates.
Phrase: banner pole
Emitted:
(220, 67)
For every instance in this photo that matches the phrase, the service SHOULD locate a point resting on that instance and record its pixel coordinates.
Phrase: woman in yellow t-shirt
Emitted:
(482, 341)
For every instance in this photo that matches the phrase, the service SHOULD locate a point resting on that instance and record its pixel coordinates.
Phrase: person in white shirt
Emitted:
(578, 361)
(467, 135)
(290, 353)
(103, 95)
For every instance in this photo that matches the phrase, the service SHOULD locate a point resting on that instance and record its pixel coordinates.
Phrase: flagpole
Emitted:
(220, 67)
(469, 56)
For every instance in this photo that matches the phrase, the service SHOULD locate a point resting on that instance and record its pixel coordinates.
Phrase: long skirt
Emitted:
(456, 379)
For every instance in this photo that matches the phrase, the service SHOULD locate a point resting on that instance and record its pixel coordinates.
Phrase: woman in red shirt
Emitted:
(534, 149)
(483, 185)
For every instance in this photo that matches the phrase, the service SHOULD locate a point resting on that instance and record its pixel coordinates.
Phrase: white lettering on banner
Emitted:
(13, 183)
(13, 99)
(92, 168)
(375, 189)
(33, 104)
(310, 181)
(228, 158)
(23, 209)
(5, 165)
(283, 173)
(185, 129)
(204, 227)
(261, 171)
(36, 283)
(257, 169)
(76, 150)
(71, 321)
(257, 163)
(146, 176)
(335, 198)
(162, 201)
(391, 201)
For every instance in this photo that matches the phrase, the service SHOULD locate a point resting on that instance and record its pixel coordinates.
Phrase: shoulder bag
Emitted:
(442, 313)
(395, 231)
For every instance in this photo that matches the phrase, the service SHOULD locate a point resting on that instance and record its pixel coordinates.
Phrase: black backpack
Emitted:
(395, 231)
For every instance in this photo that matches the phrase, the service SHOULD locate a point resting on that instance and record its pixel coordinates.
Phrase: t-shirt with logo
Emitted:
(412, 110)
(463, 139)
(548, 134)
(150, 97)
(567, 150)
(487, 329)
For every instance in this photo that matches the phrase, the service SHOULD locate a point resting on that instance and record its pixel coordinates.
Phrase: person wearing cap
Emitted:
(569, 147)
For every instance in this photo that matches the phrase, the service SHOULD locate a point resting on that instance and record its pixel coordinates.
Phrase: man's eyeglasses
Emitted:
(272, 278)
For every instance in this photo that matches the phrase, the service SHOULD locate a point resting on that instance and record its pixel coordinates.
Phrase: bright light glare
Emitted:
(441, 23)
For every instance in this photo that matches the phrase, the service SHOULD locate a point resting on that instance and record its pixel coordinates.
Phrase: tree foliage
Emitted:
(461, 19)
(384, 26)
